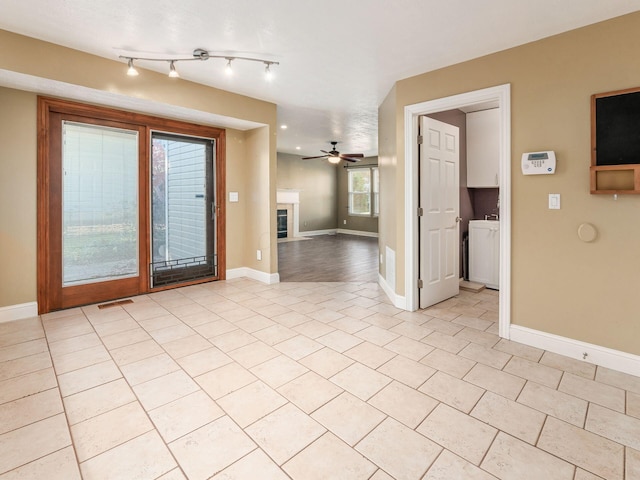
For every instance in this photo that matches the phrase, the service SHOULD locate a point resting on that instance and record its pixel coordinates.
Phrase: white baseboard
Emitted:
(311, 233)
(606, 357)
(18, 312)
(357, 232)
(397, 300)
(268, 278)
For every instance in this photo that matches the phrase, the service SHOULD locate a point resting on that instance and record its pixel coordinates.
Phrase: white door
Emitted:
(439, 199)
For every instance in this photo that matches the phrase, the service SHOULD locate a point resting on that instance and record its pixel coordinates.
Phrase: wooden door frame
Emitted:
(146, 123)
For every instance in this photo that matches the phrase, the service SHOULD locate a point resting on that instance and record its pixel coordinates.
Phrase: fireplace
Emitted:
(288, 210)
(282, 223)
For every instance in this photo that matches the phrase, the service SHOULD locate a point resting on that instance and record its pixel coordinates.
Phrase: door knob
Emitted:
(458, 219)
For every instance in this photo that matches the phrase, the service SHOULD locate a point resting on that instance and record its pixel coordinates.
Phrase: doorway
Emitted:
(501, 95)
(102, 233)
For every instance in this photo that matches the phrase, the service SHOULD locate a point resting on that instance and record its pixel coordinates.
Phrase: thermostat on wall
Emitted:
(539, 163)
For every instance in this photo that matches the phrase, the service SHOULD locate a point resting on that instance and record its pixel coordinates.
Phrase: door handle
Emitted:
(458, 219)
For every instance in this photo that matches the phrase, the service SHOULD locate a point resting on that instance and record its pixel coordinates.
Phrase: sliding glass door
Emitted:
(123, 207)
(183, 209)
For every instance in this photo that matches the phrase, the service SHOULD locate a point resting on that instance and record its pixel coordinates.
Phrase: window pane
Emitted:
(100, 204)
(376, 190)
(359, 191)
(360, 204)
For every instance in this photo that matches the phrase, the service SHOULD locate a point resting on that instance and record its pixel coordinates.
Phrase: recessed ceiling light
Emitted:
(283, 127)
(297, 148)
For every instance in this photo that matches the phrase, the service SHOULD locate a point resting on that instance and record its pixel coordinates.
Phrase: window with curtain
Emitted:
(363, 186)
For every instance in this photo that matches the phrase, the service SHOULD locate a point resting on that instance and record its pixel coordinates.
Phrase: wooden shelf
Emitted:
(615, 179)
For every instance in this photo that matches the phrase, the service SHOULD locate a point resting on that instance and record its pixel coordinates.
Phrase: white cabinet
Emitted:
(484, 252)
(483, 148)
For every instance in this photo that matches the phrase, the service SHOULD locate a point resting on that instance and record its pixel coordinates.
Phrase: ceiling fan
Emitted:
(335, 156)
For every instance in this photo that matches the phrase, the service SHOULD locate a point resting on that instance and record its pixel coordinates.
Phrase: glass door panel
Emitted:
(183, 208)
(99, 204)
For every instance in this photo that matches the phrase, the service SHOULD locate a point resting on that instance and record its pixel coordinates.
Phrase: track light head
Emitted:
(268, 74)
(173, 73)
(131, 71)
(228, 69)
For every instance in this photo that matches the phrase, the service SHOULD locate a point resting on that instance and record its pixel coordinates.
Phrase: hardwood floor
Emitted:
(329, 258)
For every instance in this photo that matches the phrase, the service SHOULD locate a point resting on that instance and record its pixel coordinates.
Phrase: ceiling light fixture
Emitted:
(173, 73)
(333, 159)
(131, 71)
(268, 74)
(228, 69)
(198, 54)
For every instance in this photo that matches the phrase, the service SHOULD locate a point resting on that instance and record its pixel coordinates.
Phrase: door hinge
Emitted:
(420, 211)
(420, 139)
(420, 283)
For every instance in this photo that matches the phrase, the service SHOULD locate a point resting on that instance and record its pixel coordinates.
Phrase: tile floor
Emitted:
(241, 380)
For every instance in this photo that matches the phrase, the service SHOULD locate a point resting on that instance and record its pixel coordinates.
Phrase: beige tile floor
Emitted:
(241, 380)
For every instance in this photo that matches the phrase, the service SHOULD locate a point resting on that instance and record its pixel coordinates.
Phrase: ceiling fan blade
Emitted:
(349, 159)
(352, 155)
(311, 158)
(324, 151)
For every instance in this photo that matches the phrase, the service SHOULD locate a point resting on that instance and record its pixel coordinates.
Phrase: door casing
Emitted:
(501, 94)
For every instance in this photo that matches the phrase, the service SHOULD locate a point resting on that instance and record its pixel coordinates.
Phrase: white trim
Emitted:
(18, 312)
(361, 233)
(311, 233)
(501, 94)
(606, 357)
(397, 300)
(268, 278)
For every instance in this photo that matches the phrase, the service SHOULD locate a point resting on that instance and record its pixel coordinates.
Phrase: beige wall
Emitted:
(391, 207)
(236, 211)
(317, 181)
(260, 207)
(248, 153)
(351, 222)
(17, 197)
(560, 285)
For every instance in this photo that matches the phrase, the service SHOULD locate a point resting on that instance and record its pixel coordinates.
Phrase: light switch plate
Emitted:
(554, 201)
(233, 196)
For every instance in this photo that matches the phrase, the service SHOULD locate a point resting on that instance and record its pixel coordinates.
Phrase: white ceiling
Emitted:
(338, 58)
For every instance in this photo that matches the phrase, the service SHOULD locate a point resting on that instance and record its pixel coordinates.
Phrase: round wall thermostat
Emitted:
(587, 232)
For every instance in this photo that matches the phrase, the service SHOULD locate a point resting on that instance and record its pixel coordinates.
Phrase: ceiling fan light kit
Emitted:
(334, 156)
(198, 54)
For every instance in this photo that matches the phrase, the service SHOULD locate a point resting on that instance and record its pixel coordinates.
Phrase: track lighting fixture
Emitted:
(198, 54)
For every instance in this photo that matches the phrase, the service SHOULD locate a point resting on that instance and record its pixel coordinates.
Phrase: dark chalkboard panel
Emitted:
(616, 128)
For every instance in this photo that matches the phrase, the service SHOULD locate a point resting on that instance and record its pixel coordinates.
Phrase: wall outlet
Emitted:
(345, 222)
(259, 254)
